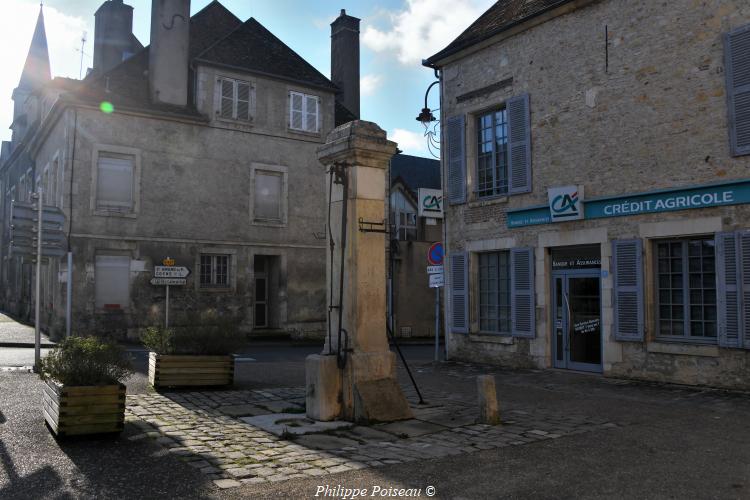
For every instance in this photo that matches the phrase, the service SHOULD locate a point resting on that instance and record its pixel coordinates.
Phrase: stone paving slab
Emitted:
(281, 424)
(410, 428)
(195, 427)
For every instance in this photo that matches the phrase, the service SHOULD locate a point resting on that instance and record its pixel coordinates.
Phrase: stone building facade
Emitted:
(411, 304)
(597, 162)
(200, 147)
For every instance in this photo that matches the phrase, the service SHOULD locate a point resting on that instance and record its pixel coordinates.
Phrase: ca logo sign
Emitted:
(565, 203)
(431, 203)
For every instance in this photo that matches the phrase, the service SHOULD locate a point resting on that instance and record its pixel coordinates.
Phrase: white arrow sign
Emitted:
(169, 281)
(171, 272)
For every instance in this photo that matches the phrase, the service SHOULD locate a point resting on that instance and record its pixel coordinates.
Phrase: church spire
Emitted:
(36, 71)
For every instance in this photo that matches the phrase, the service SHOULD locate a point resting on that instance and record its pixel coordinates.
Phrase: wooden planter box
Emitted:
(71, 411)
(179, 370)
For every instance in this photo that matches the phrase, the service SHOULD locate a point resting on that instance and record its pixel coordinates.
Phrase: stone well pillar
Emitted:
(365, 388)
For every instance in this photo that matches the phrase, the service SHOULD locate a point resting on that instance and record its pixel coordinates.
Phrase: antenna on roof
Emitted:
(83, 44)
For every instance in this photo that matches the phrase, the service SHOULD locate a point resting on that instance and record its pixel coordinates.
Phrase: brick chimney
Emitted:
(345, 60)
(168, 54)
(113, 35)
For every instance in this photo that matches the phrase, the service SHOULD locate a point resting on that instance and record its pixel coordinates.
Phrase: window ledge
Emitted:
(215, 289)
(484, 202)
(269, 223)
(232, 121)
(106, 213)
(492, 338)
(711, 351)
(303, 132)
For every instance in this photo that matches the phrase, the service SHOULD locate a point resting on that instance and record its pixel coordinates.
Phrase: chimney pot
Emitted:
(168, 54)
(113, 34)
(345, 60)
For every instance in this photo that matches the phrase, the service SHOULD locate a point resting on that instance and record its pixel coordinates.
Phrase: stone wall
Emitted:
(194, 194)
(645, 112)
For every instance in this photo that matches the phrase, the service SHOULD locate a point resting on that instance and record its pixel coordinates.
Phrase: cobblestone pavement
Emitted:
(203, 429)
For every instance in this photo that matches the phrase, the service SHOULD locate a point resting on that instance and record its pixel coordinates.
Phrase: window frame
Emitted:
(478, 290)
(397, 195)
(686, 290)
(305, 112)
(104, 149)
(235, 99)
(282, 172)
(213, 285)
(478, 116)
(126, 306)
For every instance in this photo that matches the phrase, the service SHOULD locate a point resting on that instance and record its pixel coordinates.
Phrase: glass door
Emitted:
(261, 292)
(577, 335)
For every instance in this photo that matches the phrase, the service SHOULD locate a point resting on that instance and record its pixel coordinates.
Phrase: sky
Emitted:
(395, 36)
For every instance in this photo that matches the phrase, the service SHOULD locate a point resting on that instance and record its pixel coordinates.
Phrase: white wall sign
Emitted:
(430, 203)
(437, 280)
(565, 203)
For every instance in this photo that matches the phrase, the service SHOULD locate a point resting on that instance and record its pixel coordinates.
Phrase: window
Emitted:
(268, 192)
(214, 271)
(114, 182)
(45, 186)
(22, 188)
(29, 185)
(403, 217)
(52, 184)
(112, 276)
(494, 292)
(303, 112)
(492, 153)
(686, 289)
(234, 99)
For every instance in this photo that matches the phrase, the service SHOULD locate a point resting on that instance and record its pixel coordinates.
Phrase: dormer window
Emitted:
(235, 98)
(304, 112)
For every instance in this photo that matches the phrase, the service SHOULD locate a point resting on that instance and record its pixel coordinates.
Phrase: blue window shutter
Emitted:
(727, 289)
(744, 265)
(455, 158)
(459, 292)
(627, 265)
(522, 299)
(519, 144)
(737, 63)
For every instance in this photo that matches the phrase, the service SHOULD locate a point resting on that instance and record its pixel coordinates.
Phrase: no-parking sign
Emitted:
(435, 254)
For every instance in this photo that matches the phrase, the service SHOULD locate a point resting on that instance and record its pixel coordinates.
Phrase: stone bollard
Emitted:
(488, 410)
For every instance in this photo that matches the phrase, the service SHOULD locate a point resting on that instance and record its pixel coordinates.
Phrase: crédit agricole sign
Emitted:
(666, 200)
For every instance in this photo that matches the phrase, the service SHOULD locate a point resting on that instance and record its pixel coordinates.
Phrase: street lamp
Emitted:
(427, 118)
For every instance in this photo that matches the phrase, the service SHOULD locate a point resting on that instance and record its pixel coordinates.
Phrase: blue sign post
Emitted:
(435, 258)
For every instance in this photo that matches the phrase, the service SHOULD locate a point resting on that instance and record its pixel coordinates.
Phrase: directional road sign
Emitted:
(24, 235)
(171, 272)
(169, 281)
(27, 211)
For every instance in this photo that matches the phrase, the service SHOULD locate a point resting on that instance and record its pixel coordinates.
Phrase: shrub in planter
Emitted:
(193, 355)
(83, 392)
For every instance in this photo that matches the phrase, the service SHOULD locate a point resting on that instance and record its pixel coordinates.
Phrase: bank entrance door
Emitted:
(576, 296)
